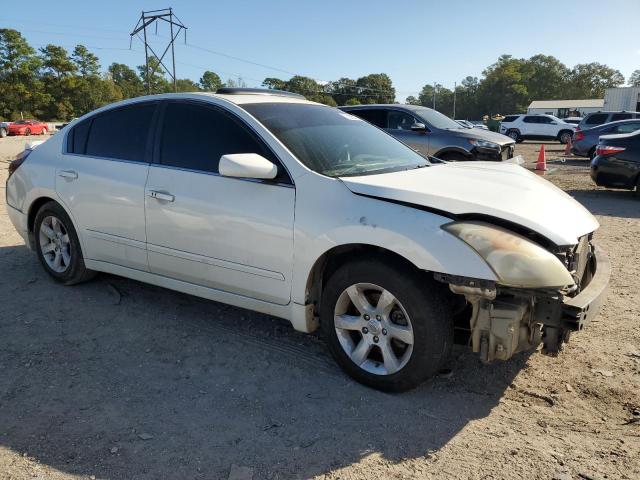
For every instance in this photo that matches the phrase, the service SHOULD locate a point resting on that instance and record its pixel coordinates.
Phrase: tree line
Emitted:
(53, 84)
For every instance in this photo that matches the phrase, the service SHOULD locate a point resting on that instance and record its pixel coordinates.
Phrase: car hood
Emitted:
(480, 134)
(501, 190)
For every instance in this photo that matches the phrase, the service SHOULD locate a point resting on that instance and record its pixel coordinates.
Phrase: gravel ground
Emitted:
(117, 379)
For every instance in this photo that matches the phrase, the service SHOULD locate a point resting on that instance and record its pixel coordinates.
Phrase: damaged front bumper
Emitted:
(506, 320)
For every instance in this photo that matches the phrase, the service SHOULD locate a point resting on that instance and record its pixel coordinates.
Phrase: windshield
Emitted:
(332, 142)
(436, 119)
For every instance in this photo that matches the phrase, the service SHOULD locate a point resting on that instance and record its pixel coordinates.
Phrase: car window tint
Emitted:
(77, 139)
(397, 120)
(215, 133)
(545, 120)
(510, 118)
(620, 116)
(596, 119)
(376, 116)
(121, 133)
(628, 128)
(530, 120)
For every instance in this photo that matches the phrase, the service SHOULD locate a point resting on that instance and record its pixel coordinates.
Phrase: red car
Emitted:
(27, 127)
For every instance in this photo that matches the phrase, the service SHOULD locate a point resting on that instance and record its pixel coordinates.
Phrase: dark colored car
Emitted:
(617, 162)
(585, 141)
(434, 134)
(594, 119)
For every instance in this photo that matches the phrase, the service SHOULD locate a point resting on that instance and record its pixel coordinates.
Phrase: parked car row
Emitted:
(584, 142)
(312, 214)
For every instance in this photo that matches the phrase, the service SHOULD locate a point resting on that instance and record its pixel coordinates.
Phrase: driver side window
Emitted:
(397, 120)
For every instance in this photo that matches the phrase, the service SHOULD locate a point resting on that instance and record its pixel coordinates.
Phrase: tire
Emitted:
(592, 153)
(564, 137)
(27, 132)
(636, 191)
(420, 302)
(3, 132)
(456, 157)
(44, 131)
(52, 219)
(514, 135)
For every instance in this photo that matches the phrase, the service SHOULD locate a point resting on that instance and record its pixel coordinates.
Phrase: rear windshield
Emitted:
(596, 119)
(332, 142)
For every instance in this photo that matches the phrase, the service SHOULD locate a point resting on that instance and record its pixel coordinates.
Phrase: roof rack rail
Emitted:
(256, 91)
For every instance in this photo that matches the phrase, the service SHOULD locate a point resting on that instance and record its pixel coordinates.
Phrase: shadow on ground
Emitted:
(610, 203)
(118, 379)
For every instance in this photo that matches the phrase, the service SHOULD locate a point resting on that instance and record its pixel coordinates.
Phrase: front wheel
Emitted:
(387, 326)
(514, 135)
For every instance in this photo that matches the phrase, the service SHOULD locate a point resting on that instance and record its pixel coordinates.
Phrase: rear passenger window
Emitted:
(372, 115)
(217, 133)
(531, 120)
(620, 116)
(596, 119)
(77, 138)
(121, 133)
(510, 118)
(628, 128)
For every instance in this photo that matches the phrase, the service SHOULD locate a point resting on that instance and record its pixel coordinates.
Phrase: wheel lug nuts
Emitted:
(384, 331)
(375, 339)
(365, 330)
(378, 317)
(366, 317)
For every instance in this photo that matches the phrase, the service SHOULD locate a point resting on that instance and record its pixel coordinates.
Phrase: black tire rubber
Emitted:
(78, 273)
(427, 304)
(636, 191)
(561, 134)
(517, 139)
(592, 153)
(27, 132)
(456, 157)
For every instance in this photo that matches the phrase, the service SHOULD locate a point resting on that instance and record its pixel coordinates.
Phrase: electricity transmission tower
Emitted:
(145, 20)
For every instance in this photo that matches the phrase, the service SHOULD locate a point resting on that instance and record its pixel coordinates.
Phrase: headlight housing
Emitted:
(483, 143)
(516, 261)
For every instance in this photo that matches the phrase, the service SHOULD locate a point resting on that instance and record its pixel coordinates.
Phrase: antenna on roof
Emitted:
(145, 20)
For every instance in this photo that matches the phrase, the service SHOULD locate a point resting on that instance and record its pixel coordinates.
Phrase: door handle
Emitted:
(69, 174)
(165, 197)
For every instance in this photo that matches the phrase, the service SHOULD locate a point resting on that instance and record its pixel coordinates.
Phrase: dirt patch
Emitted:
(118, 379)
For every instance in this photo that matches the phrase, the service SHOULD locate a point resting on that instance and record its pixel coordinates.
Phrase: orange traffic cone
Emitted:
(542, 160)
(567, 148)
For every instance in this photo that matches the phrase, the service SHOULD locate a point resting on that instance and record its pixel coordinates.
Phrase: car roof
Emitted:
(617, 122)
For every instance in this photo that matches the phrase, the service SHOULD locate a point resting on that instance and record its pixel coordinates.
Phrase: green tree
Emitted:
(56, 62)
(273, 83)
(352, 101)
(590, 80)
(60, 82)
(544, 77)
(157, 82)
(344, 90)
(411, 100)
(376, 88)
(20, 86)
(86, 62)
(634, 79)
(503, 89)
(186, 85)
(210, 81)
(126, 80)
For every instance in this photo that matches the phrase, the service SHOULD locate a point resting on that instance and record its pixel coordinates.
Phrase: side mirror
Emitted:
(418, 127)
(247, 165)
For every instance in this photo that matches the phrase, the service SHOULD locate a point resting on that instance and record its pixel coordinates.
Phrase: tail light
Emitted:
(605, 150)
(578, 135)
(20, 158)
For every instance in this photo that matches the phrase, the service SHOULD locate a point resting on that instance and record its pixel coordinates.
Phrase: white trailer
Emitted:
(622, 98)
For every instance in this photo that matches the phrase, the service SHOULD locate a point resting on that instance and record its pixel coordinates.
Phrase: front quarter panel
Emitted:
(328, 215)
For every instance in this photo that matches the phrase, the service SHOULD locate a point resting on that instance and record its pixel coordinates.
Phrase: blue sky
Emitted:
(415, 42)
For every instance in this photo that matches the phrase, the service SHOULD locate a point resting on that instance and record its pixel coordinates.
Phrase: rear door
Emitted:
(531, 126)
(230, 234)
(101, 180)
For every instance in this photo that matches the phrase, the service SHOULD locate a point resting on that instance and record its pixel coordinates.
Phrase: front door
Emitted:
(101, 180)
(234, 235)
(399, 125)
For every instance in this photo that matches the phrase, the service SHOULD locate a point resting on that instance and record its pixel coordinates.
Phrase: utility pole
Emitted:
(454, 100)
(145, 20)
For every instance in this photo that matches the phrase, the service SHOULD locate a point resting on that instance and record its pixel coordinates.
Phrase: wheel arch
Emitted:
(32, 212)
(443, 152)
(332, 259)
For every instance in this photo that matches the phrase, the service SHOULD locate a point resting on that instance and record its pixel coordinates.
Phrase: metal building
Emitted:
(566, 108)
(622, 98)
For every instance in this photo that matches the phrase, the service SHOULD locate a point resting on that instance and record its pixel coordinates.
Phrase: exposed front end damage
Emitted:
(507, 320)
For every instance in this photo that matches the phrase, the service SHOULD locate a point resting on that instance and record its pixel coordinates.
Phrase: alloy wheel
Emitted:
(55, 244)
(373, 329)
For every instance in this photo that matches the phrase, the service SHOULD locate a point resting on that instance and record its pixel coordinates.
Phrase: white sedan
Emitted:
(263, 200)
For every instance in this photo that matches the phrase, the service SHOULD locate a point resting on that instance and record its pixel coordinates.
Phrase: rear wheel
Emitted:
(58, 247)
(3, 132)
(565, 137)
(44, 131)
(387, 326)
